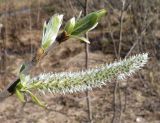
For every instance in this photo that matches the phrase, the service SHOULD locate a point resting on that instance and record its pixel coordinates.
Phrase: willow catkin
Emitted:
(69, 82)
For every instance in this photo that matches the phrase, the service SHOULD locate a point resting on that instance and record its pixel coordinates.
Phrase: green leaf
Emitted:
(35, 99)
(88, 22)
(101, 13)
(22, 68)
(81, 38)
(70, 25)
(50, 30)
(84, 24)
(94, 26)
(20, 95)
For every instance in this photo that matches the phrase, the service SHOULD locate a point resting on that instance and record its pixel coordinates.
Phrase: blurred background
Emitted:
(130, 27)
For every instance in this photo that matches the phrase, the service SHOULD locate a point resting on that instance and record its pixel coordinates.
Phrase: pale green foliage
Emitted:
(74, 28)
(50, 30)
(70, 25)
(88, 22)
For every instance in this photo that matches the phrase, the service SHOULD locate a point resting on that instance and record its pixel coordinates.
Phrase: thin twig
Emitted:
(117, 84)
(86, 92)
(115, 102)
(86, 66)
(114, 44)
(38, 12)
(4, 48)
(120, 104)
(30, 26)
(73, 9)
(121, 25)
(139, 39)
(117, 107)
(80, 3)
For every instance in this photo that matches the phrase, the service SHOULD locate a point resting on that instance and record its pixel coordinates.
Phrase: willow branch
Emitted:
(38, 56)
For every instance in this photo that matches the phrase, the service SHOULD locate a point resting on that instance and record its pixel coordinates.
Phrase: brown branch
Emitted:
(86, 66)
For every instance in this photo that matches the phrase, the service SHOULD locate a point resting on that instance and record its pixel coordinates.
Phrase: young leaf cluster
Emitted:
(75, 28)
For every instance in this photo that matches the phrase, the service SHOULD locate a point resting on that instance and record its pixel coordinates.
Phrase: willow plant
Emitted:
(71, 82)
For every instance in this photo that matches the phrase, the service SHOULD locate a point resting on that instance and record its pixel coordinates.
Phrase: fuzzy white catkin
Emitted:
(70, 82)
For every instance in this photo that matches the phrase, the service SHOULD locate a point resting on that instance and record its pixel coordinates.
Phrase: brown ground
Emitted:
(140, 94)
